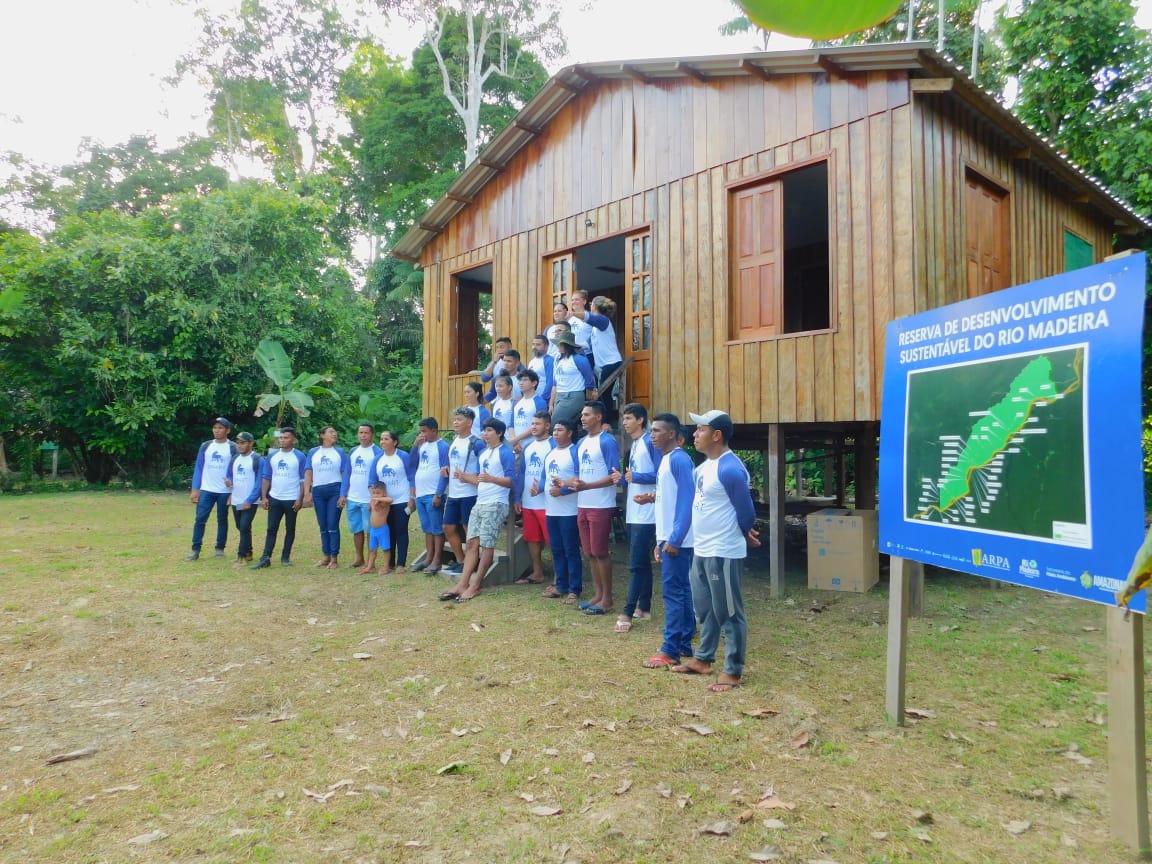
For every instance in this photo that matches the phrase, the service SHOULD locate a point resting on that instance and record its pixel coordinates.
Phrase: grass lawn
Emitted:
(232, 720)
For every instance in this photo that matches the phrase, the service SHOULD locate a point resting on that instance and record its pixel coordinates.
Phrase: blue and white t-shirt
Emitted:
(429, 459)
(462, 456)
(285, 470)
(535, 452)
(524, 411)
(599, 454)
(503, 410)
(361, 460)
(675, 490)
(328, 465)
(393, 472)
(573, 374)
(543, 367)
(212, 466)
(244, 472)
(499, 462)
(643, 460)
(560, 464)
(722, 510)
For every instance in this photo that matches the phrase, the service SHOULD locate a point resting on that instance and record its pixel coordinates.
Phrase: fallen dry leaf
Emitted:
(145, 839)
(451, 768)
(1017, 827)
(775, 825)
(771, 802)
(415, 844)
(505, 756)
(527, 796)
(768, 853)
(719, 829)
(112, 790)
(361, 655)
(923, 836)
(799, 740)
(588, 724)
(477, 627)
(689, 711)
(698, 728)
(322, 797)
(663, 791)
(611, 726)
(551, 751)
(879, 835)
(923, 817)
(760, 713)
(588, 758)
(541, 810)
(746, 816)
(919, 713)
(624, 787)
(1061, 793)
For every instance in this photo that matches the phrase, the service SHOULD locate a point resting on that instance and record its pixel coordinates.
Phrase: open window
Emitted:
(471, 318)
(780, 247)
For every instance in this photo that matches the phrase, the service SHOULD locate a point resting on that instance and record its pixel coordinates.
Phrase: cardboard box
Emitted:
(842, 553)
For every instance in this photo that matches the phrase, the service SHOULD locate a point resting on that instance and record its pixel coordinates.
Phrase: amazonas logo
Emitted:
(994, 562)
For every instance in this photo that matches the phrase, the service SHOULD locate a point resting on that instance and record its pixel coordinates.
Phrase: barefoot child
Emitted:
(378, 535)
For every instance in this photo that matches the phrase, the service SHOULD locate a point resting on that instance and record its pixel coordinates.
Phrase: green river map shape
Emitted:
(987, 439)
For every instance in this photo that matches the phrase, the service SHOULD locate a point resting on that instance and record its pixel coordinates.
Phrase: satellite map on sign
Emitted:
(999, 446)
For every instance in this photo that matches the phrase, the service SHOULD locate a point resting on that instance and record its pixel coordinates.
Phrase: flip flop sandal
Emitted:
(623, 626)
(583, 604)
(593, 609)
(448, 595)
(658, 661)
(570, 600)
(551, 593)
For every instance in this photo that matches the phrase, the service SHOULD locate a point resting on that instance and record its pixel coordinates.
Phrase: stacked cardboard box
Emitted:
(842, 552)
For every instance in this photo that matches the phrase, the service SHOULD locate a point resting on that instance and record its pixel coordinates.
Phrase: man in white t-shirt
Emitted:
(359, 501)
(723, 517)
(531, 493)
(243, 480)
(209, 489)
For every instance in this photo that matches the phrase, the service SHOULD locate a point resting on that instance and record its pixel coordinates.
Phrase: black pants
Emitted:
(278, 510)
(243, 520)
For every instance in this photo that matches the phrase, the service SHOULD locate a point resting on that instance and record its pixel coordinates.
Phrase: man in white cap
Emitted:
(723, 516)
(209, 489)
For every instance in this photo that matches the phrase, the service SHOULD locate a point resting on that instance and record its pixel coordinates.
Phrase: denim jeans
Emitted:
(324, 499)
(679, 619)
(204, 505)
(564, 541)
(641, 543)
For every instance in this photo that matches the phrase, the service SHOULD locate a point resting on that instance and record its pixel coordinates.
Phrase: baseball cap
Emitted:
(223, 421)
(245, 436)
(718, 420)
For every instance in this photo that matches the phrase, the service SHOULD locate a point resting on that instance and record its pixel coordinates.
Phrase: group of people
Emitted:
(366, 481)
(535, 444)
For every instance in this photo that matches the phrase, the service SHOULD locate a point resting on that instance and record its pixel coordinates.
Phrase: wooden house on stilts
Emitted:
(759, 219)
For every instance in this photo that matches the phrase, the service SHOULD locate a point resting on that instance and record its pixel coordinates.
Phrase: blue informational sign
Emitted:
(1010, 436)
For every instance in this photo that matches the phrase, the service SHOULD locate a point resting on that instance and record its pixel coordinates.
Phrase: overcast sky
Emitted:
(95, 68)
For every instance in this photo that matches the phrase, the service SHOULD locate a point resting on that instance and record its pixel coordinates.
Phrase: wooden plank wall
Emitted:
(631, 155)
(950, 139)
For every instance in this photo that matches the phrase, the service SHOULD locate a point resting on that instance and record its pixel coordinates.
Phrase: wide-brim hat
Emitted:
(566, 337)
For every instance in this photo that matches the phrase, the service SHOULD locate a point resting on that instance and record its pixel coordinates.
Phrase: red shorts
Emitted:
(535, 526)
(595, 526)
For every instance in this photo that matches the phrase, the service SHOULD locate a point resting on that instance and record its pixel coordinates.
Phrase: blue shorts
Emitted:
(431, 518)
(457, 511)
(379, 538)
(358, 516)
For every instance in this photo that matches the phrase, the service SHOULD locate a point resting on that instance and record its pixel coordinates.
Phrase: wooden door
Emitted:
(638, 331)
(758, 220)
(559, 281)
(985, 235)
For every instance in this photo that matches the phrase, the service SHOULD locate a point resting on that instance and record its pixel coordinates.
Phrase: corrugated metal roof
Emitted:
(571, 81)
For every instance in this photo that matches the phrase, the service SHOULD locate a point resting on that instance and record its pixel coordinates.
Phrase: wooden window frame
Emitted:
(737, 336)
(460, 362)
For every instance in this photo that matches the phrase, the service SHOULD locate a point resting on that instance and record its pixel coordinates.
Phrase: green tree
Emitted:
(293, 392)
(138, 328)
(272, 70)
(1085, 82)
(921, 21)
(478, 43)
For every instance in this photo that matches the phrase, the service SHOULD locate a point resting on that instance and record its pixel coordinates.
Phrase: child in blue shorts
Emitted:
(378, 536)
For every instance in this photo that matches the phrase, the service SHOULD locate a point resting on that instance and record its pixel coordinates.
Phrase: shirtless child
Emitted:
(378, 536)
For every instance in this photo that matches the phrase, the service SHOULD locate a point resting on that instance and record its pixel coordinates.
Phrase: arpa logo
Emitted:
(995, 562)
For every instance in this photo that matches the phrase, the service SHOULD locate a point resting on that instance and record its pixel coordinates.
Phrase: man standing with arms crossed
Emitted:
(359, 502)
(596, 502)
(209, 489)
(722, 518)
